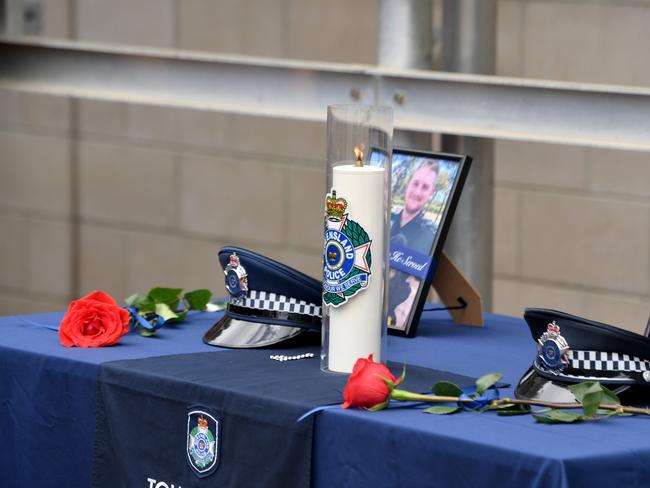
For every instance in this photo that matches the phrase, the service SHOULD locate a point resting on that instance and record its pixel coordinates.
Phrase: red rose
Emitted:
(365, 387)
(93, 321)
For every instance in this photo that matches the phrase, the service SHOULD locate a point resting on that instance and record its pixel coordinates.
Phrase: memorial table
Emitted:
(48, 400)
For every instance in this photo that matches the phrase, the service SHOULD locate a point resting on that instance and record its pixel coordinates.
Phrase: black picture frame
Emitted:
(408, 324)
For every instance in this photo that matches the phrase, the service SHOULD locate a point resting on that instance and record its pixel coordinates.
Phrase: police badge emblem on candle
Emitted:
(348, 255)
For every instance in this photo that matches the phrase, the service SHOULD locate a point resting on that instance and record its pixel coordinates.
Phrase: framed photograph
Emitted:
(426, 187)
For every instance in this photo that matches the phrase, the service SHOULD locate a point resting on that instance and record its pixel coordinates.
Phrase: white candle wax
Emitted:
(355, 326)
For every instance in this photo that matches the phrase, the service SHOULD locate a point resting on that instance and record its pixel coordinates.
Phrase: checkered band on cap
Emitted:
(263, 300)
(599, 366)
(606, 361)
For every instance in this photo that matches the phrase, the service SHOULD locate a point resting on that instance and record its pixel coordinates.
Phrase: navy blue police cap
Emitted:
(268, 302)
(573, 349)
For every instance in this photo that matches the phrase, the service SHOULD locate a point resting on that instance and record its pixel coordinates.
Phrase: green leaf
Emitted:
(591, 394)
(442, 409)
(591, 402)
(147, 306)
(170, 296)
(198, 299)
(146, 332)
(512, 413)
(602, 414)
(165, 312)
(557, 417)
(579, 390)
(501, 406)
(609, 396)
(179, 318)
(514, 410)
(446, 388)
(486, 381)
(135, 300)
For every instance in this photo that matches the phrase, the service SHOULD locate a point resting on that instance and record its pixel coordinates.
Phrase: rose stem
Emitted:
(404, 395)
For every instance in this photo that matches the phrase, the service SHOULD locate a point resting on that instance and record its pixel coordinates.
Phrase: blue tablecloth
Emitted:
(48, 392)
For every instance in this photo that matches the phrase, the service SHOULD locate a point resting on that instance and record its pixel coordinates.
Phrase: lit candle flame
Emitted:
(358, 153)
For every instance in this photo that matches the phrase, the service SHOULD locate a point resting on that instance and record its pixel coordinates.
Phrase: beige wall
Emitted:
(160, 189)
(573, 223)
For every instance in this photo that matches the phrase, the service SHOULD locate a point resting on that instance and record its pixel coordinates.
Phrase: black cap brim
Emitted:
(534, 386)
(239, 334)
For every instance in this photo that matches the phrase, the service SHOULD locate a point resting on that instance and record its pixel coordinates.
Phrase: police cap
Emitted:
(573, 349)
(268, 303)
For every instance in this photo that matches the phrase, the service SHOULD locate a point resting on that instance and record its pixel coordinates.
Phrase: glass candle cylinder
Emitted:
(356, 241)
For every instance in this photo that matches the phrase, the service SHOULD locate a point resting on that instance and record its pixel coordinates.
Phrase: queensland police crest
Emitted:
(202, 442)
(236, 277)
(347, 254)
(552, 350)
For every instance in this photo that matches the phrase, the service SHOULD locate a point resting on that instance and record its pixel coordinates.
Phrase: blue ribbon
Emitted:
(42, 326)
(410, 261)
(316, 410)
(150, 321)
(479, 402)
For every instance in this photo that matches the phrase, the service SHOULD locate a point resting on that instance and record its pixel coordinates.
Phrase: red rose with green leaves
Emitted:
(93, 321)
(366, 387)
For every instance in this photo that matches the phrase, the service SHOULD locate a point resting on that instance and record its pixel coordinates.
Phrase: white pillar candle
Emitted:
(355, 326)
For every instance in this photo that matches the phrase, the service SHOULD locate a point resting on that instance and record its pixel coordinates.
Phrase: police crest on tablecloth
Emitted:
(202, 442)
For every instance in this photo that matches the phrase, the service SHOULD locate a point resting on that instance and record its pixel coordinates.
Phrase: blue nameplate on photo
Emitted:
(410, 261)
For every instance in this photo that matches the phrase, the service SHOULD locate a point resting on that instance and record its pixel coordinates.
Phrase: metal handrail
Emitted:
(453, 103)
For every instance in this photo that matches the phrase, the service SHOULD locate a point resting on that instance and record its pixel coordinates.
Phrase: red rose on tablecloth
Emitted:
(93, 321)
(365, 387)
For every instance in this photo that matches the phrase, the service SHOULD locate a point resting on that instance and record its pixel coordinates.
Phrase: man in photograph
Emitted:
(411, 229)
